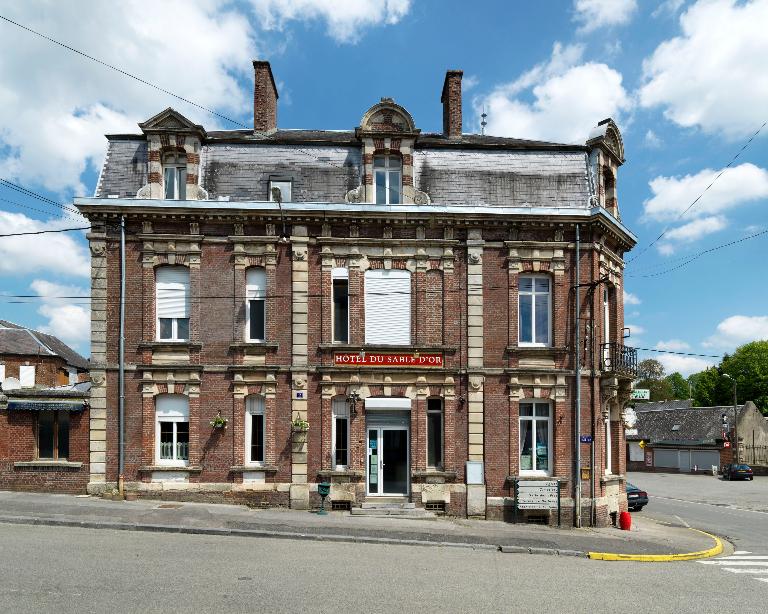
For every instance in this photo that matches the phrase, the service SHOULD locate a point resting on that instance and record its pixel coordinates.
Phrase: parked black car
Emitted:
(636, 499)
(737, 472)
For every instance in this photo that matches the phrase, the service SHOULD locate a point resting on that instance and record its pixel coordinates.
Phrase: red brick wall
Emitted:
(46, 368)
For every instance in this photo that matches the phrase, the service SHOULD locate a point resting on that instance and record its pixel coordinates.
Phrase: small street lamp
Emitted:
(353, 397)
(735, 417)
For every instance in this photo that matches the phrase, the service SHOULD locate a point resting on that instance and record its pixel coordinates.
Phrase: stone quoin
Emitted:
(384, 309)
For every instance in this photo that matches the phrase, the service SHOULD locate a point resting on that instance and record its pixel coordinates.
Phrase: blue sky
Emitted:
(685, 81)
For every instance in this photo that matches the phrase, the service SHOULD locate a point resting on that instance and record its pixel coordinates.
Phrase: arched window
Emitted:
(255, 430)
(175, 175)
(609, 185)
(172, 429)
(172, 303)
(388, 177)
(256, 304)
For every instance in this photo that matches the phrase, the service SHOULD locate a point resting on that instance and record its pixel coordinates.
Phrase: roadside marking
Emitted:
(762, 579)
(722, 507)
(742, 557)
(754, 571)
(743, 562)
(723, 563)
(687, 526)
(742, 552)
(663, 558)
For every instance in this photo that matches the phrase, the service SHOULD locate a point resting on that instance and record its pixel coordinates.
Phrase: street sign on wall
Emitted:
(537, 495)
(641, 394)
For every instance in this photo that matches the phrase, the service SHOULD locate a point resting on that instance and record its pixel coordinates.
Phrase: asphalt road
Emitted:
(47, 569)
(736, 510)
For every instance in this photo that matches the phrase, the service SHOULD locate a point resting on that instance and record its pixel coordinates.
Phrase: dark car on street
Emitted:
(636, 499)
(737, 472)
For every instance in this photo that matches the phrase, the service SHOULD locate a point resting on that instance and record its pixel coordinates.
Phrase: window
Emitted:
(27, 376)
(172, 283)
(172, 429)
(387, 175)
(388, 307)
(256, 297)
(2, 373)
(340, 433)
(535, 438)
(534, 310)
(340, 279)
(608, 451)
(255, 429)
(53, 435)
(435, 433)
(175, 175)
(284, 185)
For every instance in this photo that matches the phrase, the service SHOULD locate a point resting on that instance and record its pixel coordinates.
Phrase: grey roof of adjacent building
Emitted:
(653, 405)
(324, 165)
(683, 426)
(21, 341)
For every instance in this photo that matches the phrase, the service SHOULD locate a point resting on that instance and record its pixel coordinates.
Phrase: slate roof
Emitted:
(681, 404)
(21, 341)
(695, 424)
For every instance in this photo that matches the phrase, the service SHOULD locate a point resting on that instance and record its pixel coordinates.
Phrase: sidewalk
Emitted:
(646, 536)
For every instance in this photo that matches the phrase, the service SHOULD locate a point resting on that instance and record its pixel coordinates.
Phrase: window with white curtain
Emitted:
(27, 376)
(387, 171)
(534, 310)
(172, 429)
(388, 307)
(535, 438)
(175, 175)
(172, 303)
(340, 281)
(340, 410)
(256, 304)
(255, 430)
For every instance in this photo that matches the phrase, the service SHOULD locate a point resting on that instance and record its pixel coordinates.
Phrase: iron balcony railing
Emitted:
(619, 359)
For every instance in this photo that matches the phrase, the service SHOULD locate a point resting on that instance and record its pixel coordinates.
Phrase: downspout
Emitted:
(577, 369)
(121, 370)
(593, 393)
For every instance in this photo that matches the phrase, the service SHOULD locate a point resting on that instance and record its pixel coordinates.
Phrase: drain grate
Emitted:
(435, 506)
(341, 506)
(168, 506)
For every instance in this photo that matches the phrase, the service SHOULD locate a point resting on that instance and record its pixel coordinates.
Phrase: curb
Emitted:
(662, 558)
(551, 551)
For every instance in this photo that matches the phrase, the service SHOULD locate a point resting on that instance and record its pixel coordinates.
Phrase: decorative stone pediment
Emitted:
(171, 120)
(607, 136)
(387, 117)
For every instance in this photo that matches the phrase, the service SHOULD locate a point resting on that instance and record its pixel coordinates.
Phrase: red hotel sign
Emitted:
(387, 359)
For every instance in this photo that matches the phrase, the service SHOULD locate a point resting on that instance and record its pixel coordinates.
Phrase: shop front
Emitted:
(388, 456)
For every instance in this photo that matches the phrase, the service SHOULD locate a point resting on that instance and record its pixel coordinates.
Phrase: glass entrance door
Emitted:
(388, 461)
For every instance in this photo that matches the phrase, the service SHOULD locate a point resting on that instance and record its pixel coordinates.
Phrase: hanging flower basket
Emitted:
(219, 422)
(299, 426)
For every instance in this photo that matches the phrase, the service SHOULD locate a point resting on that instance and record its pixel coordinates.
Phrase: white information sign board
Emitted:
(537, 495)
(641, 394)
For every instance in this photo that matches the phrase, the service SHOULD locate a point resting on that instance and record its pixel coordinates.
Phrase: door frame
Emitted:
(380, 443)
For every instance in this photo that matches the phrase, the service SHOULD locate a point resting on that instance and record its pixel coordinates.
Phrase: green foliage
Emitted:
(678, 386)
(650, 369)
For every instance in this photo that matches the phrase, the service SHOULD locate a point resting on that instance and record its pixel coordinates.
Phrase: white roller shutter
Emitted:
(172, 292)
(172, 406)
(388, 307)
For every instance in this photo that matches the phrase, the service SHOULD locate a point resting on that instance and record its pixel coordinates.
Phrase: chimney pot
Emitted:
(451, 99)
(264, 98)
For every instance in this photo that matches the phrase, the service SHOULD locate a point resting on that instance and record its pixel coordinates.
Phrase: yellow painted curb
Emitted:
(662, 558)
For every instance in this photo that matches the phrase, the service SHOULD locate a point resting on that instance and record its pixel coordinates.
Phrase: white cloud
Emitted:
(595, 14)
(672, 195)
(346, 19)
(569, 98)
(673, 345)
(635, 329)
(668, 8)
(631, 299)
(651, 140)
(58, 105)
(713, 75)
(469, 82)
(685, 365)
(53, 253)
(68, 319)
(738, 330)
(690, 232)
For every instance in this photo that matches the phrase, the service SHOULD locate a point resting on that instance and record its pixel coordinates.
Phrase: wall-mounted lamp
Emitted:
(353, 397)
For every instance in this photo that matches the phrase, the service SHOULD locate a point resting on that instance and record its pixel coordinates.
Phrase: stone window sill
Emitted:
(345, 473)
(547, 478)
(536, 349)
(407, 348)
(610, 479)
(170, 345)
(47, 464)
(174, 468)
(245, 468)
(254, 347)
(434, 473)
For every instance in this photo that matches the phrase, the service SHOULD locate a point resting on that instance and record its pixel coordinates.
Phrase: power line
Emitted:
(699, 255)
(41, 232)
(27, 192)
(696, 200)
(678, 353)
(17, 204)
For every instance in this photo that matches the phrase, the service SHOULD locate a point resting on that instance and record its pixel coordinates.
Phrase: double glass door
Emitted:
(388, 461)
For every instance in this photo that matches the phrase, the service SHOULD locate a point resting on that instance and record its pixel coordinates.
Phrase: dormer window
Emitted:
(175, 175)
(387, 172)
(284, 185)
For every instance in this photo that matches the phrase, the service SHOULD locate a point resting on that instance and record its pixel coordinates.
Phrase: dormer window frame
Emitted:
(175, 175)
(281, 182)
(385, 168)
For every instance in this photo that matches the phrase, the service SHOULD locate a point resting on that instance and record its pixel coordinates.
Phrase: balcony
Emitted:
(618, 359)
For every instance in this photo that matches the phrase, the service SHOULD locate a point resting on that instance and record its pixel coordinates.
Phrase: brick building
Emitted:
(387, 310)
(44, 428)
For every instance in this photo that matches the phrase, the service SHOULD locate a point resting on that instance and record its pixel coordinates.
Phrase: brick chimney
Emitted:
(264, 98)
(451, 99)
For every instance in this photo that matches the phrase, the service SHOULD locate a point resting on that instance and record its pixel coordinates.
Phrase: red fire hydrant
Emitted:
(625, 521)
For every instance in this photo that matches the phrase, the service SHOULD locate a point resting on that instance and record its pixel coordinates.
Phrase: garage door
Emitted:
(705, 458)
(667, 459)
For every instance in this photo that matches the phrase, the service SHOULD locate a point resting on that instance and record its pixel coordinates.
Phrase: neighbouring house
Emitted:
(674, 436)
(44, 419)
(381, 308)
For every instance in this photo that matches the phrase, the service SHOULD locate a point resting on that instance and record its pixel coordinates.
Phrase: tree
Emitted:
(651, 376)
(650, 369)
(707, 387)
(748, 365)
(678, 385)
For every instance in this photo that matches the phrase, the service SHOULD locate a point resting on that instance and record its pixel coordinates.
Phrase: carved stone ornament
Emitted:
(98, 248)
(299, 382)
(144, 193)
(421, 198)
(474, 258)
(97, 380)
(356, 195)
(475, 383)
(558, 235)
(300, 254)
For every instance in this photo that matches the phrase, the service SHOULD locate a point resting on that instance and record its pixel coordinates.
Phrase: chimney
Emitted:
(264, 98)
(451, 99)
